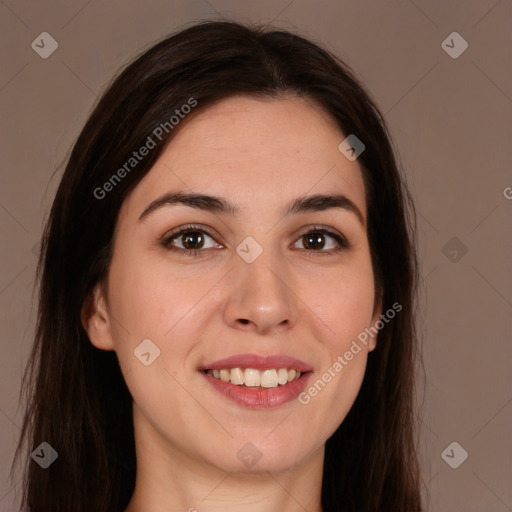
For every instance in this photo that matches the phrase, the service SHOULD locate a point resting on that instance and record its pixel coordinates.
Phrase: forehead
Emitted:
(255, 152)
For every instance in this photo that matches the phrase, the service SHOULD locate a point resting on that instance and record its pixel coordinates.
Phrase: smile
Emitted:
(256, 381)
(253, 378)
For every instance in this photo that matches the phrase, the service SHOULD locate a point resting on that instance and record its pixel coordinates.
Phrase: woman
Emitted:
(227, 288)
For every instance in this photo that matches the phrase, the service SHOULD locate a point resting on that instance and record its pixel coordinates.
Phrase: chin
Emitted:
(258, 458)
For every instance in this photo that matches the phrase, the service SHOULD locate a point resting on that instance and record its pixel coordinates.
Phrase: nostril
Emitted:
(244, 321)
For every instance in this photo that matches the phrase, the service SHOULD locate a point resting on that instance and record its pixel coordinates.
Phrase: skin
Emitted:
(260, 155)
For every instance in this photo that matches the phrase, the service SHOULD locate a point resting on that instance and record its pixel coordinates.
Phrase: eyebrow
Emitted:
(208, 203)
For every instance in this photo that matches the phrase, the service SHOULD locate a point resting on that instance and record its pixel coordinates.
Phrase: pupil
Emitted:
(189, 240)
(314, 241)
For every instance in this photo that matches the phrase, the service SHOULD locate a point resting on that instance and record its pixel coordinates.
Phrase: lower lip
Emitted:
(261, 398)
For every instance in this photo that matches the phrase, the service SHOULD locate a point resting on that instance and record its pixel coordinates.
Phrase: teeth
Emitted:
(255, 378)
(282, 376)
(237, 376)
(252, 378)
(269, 379)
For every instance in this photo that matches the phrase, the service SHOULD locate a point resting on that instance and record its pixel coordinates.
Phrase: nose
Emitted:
(261, 297)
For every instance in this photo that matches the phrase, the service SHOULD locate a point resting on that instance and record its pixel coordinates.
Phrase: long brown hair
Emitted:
(76, 398)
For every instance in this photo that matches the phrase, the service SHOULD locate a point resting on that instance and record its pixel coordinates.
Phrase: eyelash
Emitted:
(342, 242)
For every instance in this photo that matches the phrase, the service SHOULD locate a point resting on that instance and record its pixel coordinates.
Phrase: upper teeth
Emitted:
(254, 378)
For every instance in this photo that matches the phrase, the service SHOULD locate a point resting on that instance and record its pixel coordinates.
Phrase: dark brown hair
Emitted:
(75, 395)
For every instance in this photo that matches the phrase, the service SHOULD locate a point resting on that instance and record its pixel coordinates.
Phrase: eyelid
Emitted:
(190, 227)
(322, 229)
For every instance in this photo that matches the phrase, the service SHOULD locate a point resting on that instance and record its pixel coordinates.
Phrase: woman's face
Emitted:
(268, 289)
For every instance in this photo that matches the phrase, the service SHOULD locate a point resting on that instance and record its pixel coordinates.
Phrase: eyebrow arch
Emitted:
(304, 204)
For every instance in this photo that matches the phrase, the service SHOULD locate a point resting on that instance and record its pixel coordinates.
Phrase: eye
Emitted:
(191, 238)
(314, 241)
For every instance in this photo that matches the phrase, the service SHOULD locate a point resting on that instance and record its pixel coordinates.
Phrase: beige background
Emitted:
(451, 119)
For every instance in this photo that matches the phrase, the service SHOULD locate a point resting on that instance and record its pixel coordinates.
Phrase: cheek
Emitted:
(344, 305)
(165, 306)
(150, 301)
(148, 305)
(343, 301)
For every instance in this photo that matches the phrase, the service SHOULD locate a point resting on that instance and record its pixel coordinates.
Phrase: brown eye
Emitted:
(192, 240)
(317, 240)
(314, 241)
(189, 240)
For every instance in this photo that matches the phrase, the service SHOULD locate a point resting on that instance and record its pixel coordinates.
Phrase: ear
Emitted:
(377, 312)
(96, 319)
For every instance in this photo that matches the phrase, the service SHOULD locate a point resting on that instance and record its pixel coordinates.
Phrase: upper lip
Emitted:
(258, 363)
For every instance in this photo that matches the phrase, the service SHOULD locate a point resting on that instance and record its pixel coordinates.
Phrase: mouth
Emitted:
(258, 382)
(253, 378)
